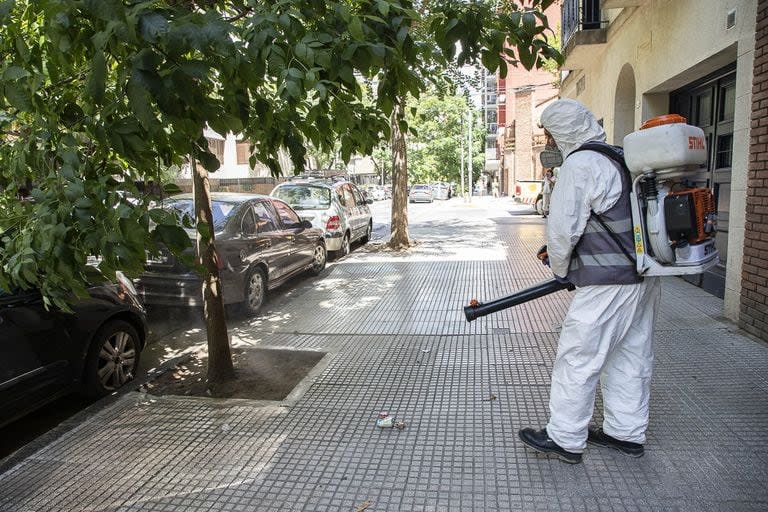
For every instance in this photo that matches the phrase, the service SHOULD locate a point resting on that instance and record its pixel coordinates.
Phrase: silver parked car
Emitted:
(440, 191)
(334, 205)
(420, 193)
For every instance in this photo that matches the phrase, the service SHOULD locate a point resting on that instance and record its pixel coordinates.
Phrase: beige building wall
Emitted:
(663, 45)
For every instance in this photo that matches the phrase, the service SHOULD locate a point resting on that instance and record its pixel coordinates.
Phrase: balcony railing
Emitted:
(579, 15)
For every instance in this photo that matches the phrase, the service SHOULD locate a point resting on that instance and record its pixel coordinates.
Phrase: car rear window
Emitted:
(304, 197)
(221, 210)
(421, 187)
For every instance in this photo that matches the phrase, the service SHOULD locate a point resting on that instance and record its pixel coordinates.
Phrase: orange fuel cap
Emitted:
(661, 120)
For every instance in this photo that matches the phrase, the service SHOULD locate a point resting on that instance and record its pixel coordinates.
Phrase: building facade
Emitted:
(522, 95)
(631, 60)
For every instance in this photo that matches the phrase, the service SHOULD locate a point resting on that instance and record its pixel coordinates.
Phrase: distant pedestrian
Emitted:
(495, 188)
(546, 191)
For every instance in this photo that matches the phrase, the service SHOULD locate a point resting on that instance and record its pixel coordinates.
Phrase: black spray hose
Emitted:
(477, 309)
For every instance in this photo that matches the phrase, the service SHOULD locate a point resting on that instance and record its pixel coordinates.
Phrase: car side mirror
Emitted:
(369, 201)
(306, 224)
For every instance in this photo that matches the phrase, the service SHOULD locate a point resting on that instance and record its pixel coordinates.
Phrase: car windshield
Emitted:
(420, 187)
(304, 197)
(221, 210)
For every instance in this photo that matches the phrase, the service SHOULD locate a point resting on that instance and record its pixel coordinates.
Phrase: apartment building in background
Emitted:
(522, 95)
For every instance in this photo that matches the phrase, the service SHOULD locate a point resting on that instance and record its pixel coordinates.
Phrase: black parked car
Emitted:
(45, 354)
(261, 242)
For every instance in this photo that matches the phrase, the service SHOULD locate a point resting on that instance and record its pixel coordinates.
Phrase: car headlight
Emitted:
(126, 283)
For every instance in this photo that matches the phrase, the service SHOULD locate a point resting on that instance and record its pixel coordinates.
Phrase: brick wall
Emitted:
(523, 134)
(754, 286)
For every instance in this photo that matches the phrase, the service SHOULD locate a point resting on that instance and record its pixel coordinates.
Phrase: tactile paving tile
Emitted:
(397, 341)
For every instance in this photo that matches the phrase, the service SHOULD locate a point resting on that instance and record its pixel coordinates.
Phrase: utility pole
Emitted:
(469, 166)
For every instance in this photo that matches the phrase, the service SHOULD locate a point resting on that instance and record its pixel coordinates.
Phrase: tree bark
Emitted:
(220, 367)
(399, 238)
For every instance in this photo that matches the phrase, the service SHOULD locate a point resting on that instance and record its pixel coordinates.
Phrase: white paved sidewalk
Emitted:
(397, 340)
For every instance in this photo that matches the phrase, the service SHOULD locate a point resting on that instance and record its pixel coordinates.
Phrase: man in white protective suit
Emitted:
(607, 334)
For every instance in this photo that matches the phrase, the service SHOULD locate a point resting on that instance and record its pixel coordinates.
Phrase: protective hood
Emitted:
(571, 125)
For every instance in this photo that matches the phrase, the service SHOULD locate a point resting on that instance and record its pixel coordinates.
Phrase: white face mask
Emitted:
(551, 157)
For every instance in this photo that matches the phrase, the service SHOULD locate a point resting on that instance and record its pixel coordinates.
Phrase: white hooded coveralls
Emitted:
(608, 331)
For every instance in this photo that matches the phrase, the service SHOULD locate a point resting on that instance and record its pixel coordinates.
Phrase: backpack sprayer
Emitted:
(673, 223)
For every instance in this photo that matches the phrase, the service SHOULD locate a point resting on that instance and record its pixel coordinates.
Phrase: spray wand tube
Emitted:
(477, 309)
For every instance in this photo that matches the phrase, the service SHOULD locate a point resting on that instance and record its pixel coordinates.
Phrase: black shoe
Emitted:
(597, 437)
(539, 440)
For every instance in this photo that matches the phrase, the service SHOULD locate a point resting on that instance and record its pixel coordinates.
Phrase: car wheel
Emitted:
(112, 359)
(345, 247)
(255, 291)
(319, 259)
(368, 233)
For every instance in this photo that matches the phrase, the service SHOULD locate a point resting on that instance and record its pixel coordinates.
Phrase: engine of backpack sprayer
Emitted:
(674, 226)
(673, 223)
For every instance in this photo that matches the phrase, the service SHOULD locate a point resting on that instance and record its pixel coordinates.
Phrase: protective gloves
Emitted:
(543, 256)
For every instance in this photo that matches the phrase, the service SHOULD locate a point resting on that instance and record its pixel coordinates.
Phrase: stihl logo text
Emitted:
(696, 143)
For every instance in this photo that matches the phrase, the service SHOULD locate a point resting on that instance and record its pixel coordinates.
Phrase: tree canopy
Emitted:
(98, 94)
(439, 136)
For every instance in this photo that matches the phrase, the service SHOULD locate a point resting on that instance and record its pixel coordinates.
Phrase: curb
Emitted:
(74, 421)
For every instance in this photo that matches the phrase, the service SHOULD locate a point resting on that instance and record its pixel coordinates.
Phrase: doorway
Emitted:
(624, 105)
(710, 104)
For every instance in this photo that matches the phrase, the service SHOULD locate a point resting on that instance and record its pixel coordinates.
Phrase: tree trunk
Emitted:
(220, 367)
(399, 226)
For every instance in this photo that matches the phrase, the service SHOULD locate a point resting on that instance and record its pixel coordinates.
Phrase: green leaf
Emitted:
(305, 54)
(74, 190)
(292, 88)
(97, 80)
(322, 90)
(527, 59)
(153, 26)
(17, 96)
(529, 22)
(402, 34)
(490, 60)
(209, 162)
(356, 29)
(22, 49)
(15, 73)
(346, 74)
(174, 237)
(162, 216)
(5, 9)
(204, 229)
(196, 68)
(383, 7)
(141, 103)
(171, 188)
